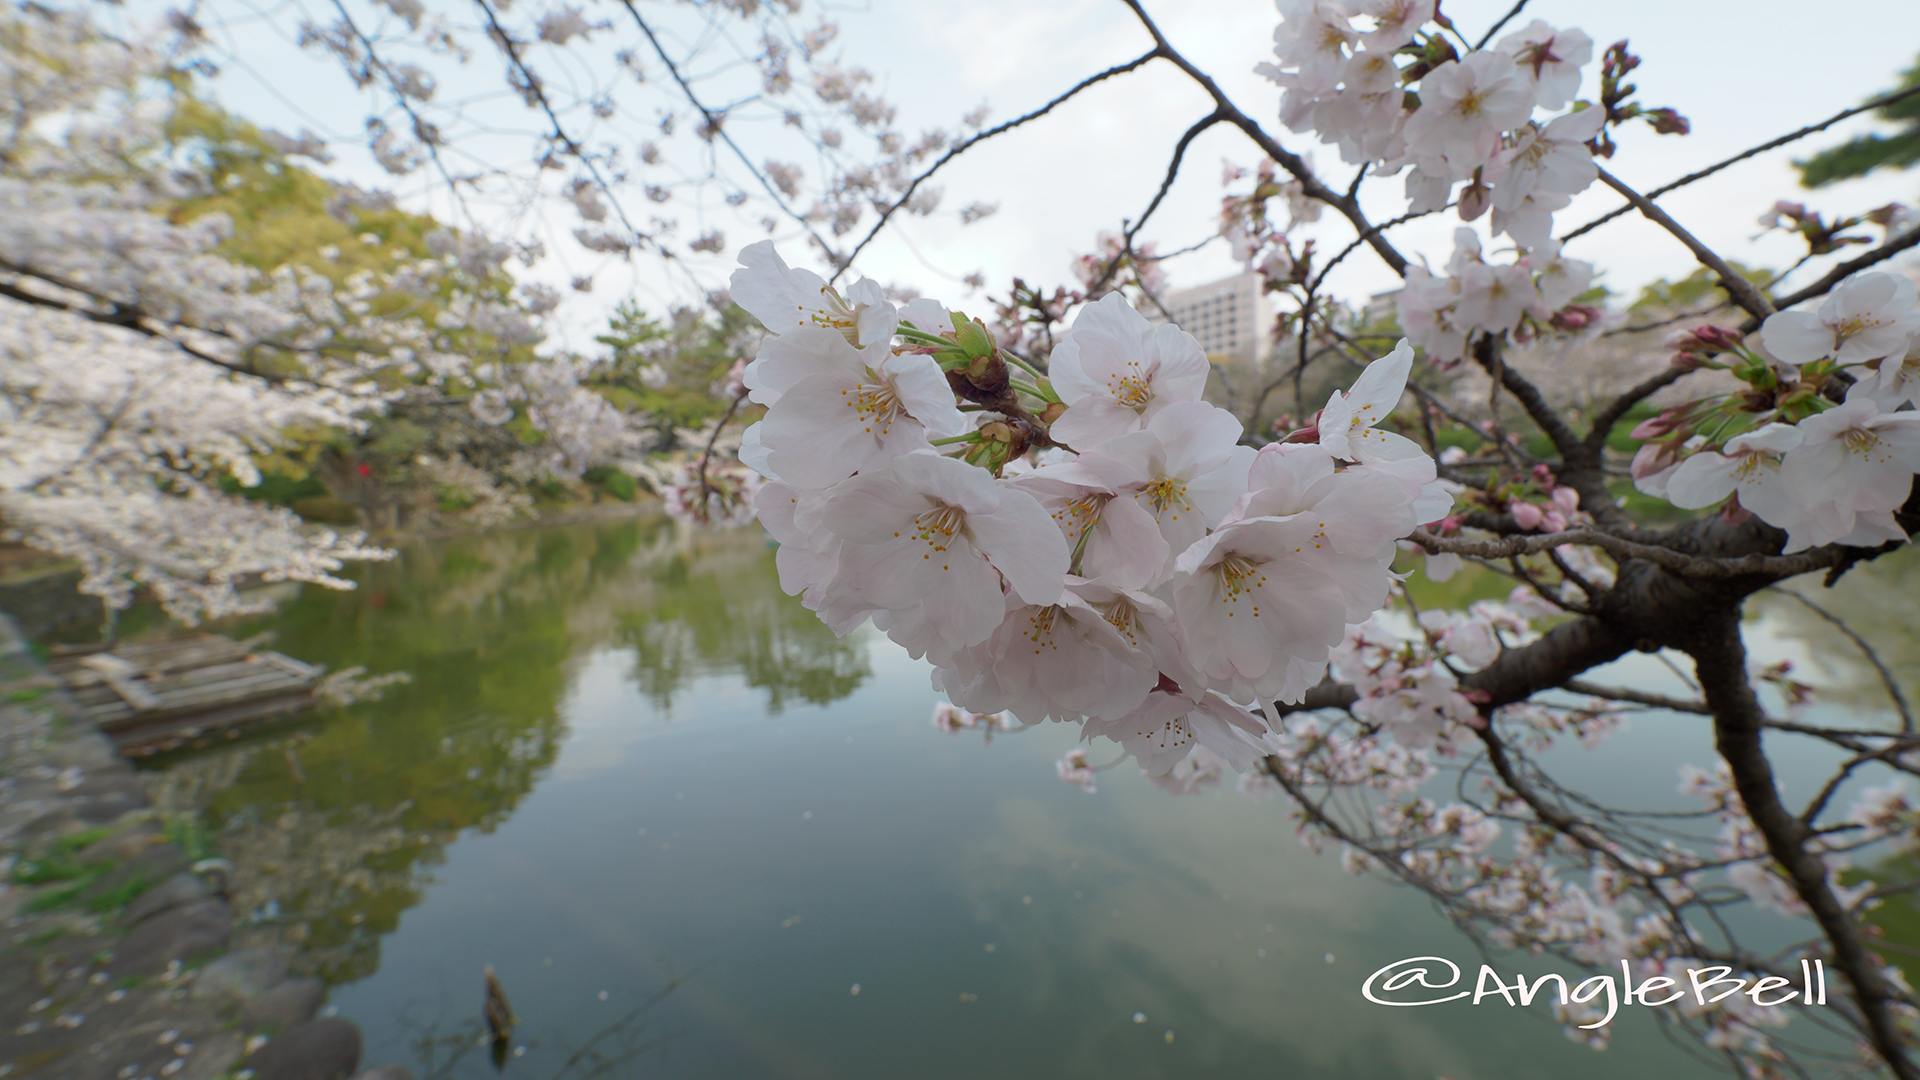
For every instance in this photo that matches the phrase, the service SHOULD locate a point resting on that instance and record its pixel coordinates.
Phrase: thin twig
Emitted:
(963, 147)
(1810, 129)
(1887, 680)
(715, 124)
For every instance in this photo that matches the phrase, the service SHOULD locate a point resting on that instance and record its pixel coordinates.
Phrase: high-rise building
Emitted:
(1228, 317)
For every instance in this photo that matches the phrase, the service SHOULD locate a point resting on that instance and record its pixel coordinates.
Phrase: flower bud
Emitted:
(1051, 413)
(1650, 459)
(1475, 198)
(972, 337)
(1668, 422)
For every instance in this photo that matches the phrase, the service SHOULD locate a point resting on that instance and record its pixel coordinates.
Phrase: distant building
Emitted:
(1229, 318)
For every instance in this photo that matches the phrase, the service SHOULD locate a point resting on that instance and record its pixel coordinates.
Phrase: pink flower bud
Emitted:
(1567, 499)
(1650, 459)
(1525, 514)
(1669, 421)
(1474, 201)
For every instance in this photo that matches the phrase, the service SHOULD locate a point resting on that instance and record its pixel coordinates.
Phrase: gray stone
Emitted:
(284, 1005)
(242, 974)
(149, 867)
(103, 808)
(183, 934)
(316, 1050)
(180, 889)
(111, 782)
(386, 1072)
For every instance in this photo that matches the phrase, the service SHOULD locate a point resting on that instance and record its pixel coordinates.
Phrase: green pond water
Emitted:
(698, 836)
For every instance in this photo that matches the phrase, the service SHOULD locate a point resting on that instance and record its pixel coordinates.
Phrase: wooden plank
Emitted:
(156, 737)
(270, 682)
(290, 665)
(119, 675)
(195, 654)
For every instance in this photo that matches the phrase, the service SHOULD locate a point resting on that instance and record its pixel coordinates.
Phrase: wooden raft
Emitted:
(164, 695)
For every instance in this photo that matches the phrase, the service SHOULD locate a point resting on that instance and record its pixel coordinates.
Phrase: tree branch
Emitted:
(1295, 166)
(1886, 99)
(1740, 289)
(957, 150)
(1720, 662)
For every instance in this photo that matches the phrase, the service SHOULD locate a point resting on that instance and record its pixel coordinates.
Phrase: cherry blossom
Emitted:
(1115, 369)
(1853, 468)
(923, 539)
(1464, 106)
(1551, 58)
(851, 412)
(1866, 317)
(783, 298)
(1748, 465)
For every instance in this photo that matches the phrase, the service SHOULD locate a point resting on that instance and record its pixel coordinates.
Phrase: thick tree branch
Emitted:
(1720, 662)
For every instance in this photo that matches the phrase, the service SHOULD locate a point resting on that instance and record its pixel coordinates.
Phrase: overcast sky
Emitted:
(1065, 178)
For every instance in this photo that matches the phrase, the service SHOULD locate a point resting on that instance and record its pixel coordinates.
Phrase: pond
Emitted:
(696, 835)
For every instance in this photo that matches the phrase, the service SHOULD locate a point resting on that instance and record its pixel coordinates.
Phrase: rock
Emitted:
(106, 807)
(116, 781)
(150, 867)
(213, 1057)
(386, 1072)
(282, 1006)
(242, 974)
(316, 1050)
(181, 889)
(183, 934)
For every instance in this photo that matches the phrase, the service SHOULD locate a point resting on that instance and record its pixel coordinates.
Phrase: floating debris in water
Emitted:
(856, 989)
(964, 996)
(603, 995)
(1329, 958)
(1169, 1036)
(1026, 899)
(1139, 1018)
(991, 946)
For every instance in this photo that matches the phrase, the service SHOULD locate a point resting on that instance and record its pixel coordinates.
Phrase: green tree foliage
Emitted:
(1864, 153)
(667, 369)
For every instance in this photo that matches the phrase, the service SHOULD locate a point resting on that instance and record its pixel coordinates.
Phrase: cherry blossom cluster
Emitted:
(1782, 449)
(1394, 94)
(141, 366)
(1093, 545)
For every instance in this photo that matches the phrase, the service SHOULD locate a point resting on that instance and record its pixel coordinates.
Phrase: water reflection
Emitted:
(337, 828)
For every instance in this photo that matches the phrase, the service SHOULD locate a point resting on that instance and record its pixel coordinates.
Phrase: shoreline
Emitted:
(122, 957)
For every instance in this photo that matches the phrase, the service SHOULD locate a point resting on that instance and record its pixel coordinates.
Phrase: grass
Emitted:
(53, 898)
(21, 697)
(190, 836)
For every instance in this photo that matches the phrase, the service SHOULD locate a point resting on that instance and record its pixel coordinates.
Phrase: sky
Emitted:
(1063, 179)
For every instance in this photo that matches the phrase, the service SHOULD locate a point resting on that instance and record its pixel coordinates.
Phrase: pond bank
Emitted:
(119, 954)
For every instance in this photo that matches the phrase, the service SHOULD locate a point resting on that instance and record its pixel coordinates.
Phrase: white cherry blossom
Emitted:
(1551, 59)
(1853, 468)
(923, 539)
(1866, 317)
(1347, 424)
(784, 298)
(1464, 106)
(1062, 661)
(1749, 465)
(1115, 369)
(859, 408)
